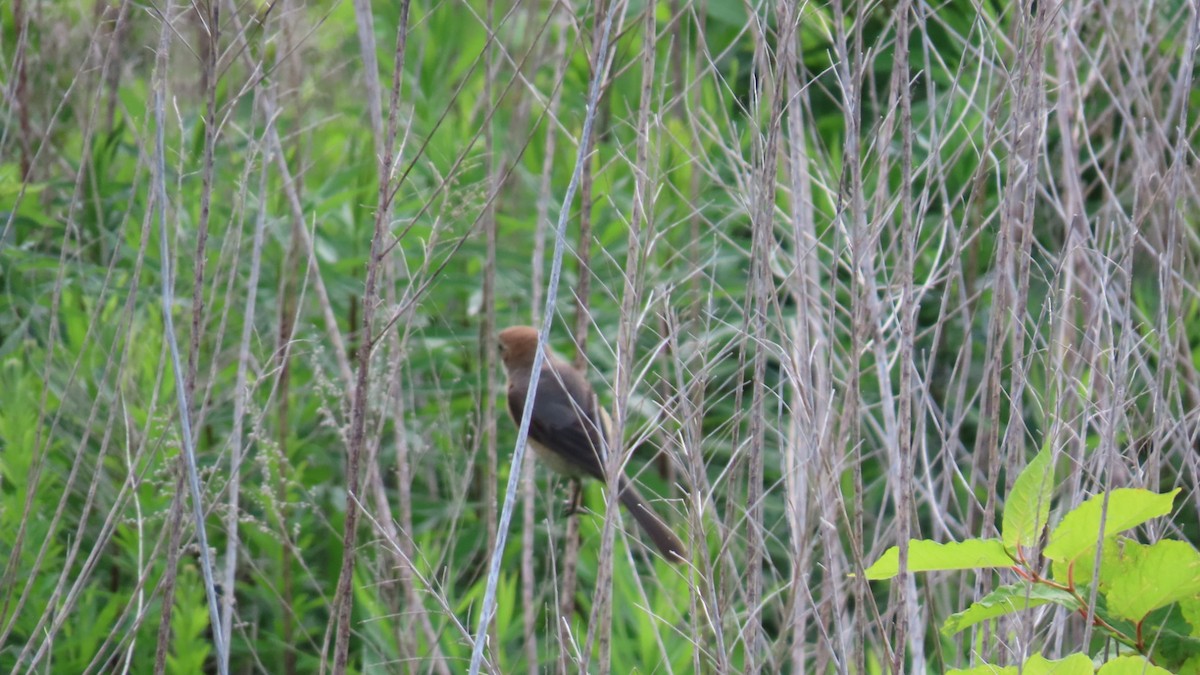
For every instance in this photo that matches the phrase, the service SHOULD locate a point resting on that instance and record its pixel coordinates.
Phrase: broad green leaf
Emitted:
(1081, 570)
(1075, 664)
(1127, 507)
(1131, 665)
(1028, 506)
(1151, 576)
(929, 556)
(1174, 651)
(1006, 600)
(1191, 613)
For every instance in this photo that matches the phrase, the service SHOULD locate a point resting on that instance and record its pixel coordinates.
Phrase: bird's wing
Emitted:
(565, 420)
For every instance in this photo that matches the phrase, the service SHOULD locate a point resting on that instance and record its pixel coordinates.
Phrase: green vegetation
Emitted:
(1135, 581)
(846, 274)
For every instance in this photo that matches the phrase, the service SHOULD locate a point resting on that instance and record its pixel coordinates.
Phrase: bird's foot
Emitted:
(574, 498)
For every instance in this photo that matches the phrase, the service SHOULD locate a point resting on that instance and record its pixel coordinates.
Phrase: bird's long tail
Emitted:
(662, 536)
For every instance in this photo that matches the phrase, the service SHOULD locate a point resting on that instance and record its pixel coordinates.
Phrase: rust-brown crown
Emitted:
(518, 344)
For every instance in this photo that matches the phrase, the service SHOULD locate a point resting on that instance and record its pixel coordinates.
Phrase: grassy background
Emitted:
(839, 269)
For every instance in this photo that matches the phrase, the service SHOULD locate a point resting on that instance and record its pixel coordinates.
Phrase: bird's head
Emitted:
(518, 345)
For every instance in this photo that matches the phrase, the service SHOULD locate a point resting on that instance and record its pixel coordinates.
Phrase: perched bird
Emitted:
(567, 425)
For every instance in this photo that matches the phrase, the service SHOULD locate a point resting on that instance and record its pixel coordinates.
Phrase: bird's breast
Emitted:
(556, 461)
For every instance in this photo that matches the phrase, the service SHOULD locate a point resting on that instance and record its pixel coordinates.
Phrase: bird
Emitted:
(569, 430)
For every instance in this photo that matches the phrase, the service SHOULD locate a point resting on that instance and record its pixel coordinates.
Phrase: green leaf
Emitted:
(1075, 664)
(1190, 609)
(1131, 665)
(1127, 507)
(1027, 508)
(1006, 600)
(1175, 651)
(929, 556)
(1152, 576)
(1081, 570)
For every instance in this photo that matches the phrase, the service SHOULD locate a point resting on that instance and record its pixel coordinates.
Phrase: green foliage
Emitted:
(1076, 664)
(1115, 511)
(1134, 581)
(929, 556)
(89, 432)
(189, 623)
(1027, 509)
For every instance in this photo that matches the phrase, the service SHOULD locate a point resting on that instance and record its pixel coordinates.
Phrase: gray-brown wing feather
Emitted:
(564, 419)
